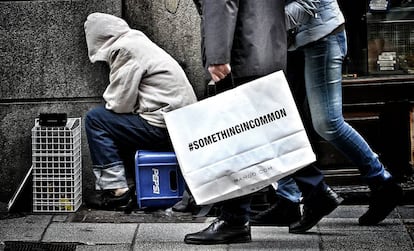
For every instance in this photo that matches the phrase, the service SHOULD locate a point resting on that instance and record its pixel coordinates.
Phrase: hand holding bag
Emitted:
(239, 141)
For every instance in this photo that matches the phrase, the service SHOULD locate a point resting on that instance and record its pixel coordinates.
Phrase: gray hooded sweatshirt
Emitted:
(143, 78)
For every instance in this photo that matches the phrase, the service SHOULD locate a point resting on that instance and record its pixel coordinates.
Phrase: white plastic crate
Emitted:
(57, 167)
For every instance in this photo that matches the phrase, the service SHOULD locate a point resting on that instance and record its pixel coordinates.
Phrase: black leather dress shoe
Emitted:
(383, 200)
(282, 213)
(322, 204)
(220, 232)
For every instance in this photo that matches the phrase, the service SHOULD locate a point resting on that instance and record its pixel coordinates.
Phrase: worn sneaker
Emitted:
(106, 200)
(282, 213)
(382, 201)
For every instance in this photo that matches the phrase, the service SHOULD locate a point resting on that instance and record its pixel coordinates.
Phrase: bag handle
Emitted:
(212, 86)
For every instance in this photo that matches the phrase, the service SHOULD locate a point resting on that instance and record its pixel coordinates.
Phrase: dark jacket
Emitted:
(248, 34)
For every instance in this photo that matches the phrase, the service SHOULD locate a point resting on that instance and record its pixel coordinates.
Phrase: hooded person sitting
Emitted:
(144, 82)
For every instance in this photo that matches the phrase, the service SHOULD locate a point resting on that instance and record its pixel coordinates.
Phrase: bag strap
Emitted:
(212, 86)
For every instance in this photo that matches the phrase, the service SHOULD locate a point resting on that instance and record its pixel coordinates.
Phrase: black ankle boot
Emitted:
(283, 213)
(314, 209)
(220, 232)
(382, 201)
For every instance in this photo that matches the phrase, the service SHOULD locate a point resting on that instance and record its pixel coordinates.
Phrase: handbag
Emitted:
(239, 141)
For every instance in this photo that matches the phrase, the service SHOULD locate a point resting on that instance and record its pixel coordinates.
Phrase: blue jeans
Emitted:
(323, 78)
(113, 139)
(288, 189)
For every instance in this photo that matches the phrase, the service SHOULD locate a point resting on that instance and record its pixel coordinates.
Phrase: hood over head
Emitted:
(101, 31)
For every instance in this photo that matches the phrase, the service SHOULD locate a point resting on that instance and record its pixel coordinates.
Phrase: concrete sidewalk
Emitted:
(94, 230)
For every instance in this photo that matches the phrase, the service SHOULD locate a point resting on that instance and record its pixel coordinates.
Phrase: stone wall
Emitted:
(44, 67)
(174, 25)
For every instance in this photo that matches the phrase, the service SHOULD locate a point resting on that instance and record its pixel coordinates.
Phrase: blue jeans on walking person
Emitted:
(323, 80)
(288, 189)
(113, 140)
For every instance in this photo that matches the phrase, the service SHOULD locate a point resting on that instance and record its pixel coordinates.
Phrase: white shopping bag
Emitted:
(239, 141)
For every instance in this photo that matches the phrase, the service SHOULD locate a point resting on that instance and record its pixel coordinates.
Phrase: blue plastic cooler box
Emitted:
(159, 180)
